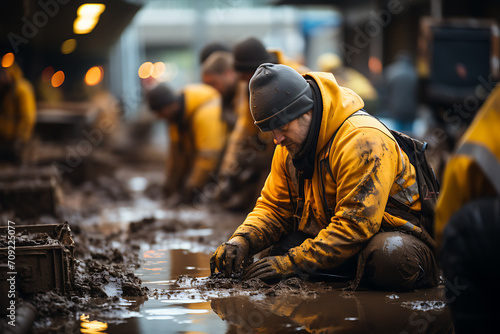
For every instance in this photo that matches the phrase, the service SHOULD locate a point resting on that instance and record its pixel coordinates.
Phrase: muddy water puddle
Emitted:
(173, 249)
(183, 300)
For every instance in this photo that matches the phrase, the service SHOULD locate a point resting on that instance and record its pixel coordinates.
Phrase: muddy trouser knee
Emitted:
(396, 261)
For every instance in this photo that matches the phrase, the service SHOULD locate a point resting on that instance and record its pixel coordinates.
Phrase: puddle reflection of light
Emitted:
(199, 232)
(154, 254)
(183, 301)
(153, 269)
(171, 312)
(138, 184)
(92, 327)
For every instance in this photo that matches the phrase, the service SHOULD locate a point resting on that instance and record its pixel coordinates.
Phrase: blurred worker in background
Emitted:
(350, 78)
(17, 113)
(249, 152)
(324, 207)
(197, 136)
(468, 210)
(401, 82)
(217, 71)
(210, 48)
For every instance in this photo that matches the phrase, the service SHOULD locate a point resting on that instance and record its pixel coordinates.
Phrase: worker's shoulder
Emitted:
(366, 124)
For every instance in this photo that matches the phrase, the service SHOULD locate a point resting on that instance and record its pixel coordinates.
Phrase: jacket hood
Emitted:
(195, 95)
(338, 104)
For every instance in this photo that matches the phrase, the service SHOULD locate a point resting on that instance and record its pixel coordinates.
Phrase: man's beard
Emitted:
(298, 152)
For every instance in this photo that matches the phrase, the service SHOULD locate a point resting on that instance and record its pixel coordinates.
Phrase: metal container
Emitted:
(29, 193)
(44, 259)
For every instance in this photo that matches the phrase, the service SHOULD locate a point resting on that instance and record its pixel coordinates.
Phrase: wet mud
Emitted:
(103, 277)
(142, 268)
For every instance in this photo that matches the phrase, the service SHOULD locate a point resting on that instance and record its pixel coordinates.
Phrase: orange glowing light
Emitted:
(94, 75)
(146, 70)
(153, 269)
(8, 59)
(158, 69)
(47, 74)
(91, 327)
(57, 79)
(375, 65)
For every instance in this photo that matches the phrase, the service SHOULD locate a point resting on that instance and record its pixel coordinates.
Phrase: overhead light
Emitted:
(68, 46)
(47, 74)
(146, 70)
(94, 75)
(91, 9)
(8, 59)
(87, 17)
(57, 79)
(375, 65)
(158, 69)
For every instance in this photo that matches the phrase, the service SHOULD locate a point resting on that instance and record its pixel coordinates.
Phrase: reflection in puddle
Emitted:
(92, 327)
(162, 265)
(336, 312)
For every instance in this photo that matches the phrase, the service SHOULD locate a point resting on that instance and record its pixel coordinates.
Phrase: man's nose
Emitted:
(278, 137)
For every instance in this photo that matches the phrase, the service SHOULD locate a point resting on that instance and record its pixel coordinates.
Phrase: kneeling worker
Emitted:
(197, 137)
(324, 207)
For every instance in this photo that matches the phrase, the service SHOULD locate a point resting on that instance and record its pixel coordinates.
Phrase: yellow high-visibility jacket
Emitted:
(366, 165)
(246, 141)
(474, 169)
(17, 109)
(197, 141)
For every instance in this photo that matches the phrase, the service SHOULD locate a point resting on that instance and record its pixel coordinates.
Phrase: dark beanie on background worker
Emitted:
(211, 48)
(278, 95)
(249, 54)
(160, 96)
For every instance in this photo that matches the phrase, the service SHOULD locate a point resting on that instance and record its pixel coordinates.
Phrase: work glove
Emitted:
(270, 268)
(229, 257)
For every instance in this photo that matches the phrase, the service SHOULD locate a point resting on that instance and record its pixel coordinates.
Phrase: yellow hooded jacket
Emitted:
(366, 164)
(246, 139)
(197, 142)
(18, 109)
(474, 169)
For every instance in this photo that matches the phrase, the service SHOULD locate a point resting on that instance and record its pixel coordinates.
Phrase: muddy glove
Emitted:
(229, 257)
(271, 268)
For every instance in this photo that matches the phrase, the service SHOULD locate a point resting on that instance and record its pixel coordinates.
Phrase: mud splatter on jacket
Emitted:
(197, 141)
(366, 165)
(466, 175)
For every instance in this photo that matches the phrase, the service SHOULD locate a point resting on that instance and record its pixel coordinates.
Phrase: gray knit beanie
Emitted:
(278, 95)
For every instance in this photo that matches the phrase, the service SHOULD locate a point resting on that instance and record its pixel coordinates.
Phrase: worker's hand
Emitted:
(229, 257)
(270, 268)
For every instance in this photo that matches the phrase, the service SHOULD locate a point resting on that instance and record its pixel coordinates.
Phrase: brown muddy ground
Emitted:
(143, 268)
